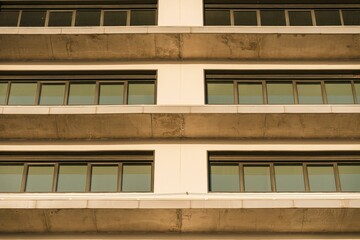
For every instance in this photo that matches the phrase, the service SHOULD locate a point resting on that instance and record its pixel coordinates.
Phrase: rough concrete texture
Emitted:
(163, 126)
(181, 220)
(179, 46)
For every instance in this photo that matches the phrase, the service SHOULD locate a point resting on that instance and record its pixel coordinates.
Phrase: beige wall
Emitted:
(180, 13)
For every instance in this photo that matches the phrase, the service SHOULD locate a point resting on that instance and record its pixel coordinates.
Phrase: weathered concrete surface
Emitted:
(178, 46)
(180, 220)
(181, 125)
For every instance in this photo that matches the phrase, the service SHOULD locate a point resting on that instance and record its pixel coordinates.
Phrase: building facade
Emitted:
(182, 118)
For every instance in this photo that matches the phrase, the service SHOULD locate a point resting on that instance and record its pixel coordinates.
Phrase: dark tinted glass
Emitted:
(245, 18)
(60, 19)
(143, 17)
(351, 17)
(217, 18)
(9, 18)
(272, 18)
(300, 18)
(33, 18)
(87, 18)
(115, 18)
(327, 17)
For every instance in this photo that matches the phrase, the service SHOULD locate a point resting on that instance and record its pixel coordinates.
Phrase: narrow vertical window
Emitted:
(111, 93)
(40, 179)
(349, 177)
(289, 178)
(3, 91)
(9, 18)
(224, 178)
(141, 93)
(217, 17)
(11, 178)
(87, 18)
(351, 17)
(272, 18)
(52, 94)
(82, 94)
(250, 93)
(136, 178)
(321, 178)
(280, 93)
(115, 18)
(245, 18)
(257, 178)
(72, 178)
(309, 93)
(22, 94)
(30, 18)
(60, 19)
(357, 91)
(300, 18)
(327, 17)
(104, 178)
(339, 92)
(220, 93)
(143, 17)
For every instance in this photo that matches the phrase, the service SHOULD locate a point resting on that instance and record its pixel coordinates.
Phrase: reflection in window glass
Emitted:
(220, 93)
(115, 18)
(357, 90)
(136, 178)
(224, 178)
(280, 93)
(9, 18)
(289, 178)
(60, 19)
(309, 93)
(3, 90)
(143, 17)
(33, 18)
(327, 17)
(72, 178)
(52, 94)
(217, 17)
(40, 179)
(11, 177)
(111, 94)
(349, 177)
(22, 94)
(300, 18)
(321, 178)
(87, 18)
(351, 17)
(339, 93)
(104, 178)
(257, 178)
(272, 17)
(82, 93)
(245, 18)
(141, 93)
(250, 93)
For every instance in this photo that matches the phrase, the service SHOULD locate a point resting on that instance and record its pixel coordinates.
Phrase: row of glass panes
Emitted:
(284, 177)
(284, 92)
(77, 93)
(281, 17)
(79, 18)
(80, 177)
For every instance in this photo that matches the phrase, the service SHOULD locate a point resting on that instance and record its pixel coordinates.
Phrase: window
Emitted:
(77, 172)
(92, 88)
(115, 18)
(9, 18)
(87, 18)
(283, 172)
(245, 18)
(300, 18)
(351, 17)
(281, 87)
(60, 18)
(327, 17)
(142, 17)
(217, 17)
(272, 17)
(31, 18)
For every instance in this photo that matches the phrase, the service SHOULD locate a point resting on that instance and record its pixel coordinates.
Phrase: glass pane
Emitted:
(136, 178)
(60, 19)
(220, 93)
(321, 178)
(72, 178)
(104, 178)
(257, 178)
(280, 93)
(217, 18)
(9, 18)
(349, 177)
(141, 93)
(250, 93)
(339, 93)
(224, 178)
(11, 177)
(40, 179)
(309, 93)
(22, 94)
(245, 18)
(33, 19)
(87, 18)
(357, 90)
(272, 17)
(327, 17)
(52, 94)
(289, 178)
(115, 18)
(3, 90)
(111, 94)
(143, 17)
(300, 18)
(82, 93)
(351, 17)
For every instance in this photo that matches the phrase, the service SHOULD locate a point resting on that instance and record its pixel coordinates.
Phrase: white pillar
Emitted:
(180, 13)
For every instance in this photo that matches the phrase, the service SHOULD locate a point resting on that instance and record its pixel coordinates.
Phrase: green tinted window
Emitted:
(217, 17)
(115, 18)
(104, 178)
(349, 177)
(9, 18)
(357, 90)
(3, 90)
(300, 18)
(11, 178)
(111, 94)
(327, 17)
(224, 178)
(220, 93)
(257, 178)
(250, 93)
(339, 93)
(141, 93)
(52, 94)
(245, 18)
(272, 17)
(33, 18)
(22, 94)
(143, 17)
(309, 93)
(280, 93)
(82, 94)
(72, 178)
(289, 178)
(40, 179)
(321, 178)
(136, 178)
(60, 19)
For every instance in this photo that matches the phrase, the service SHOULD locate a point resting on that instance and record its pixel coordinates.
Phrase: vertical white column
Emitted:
(180, 13)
